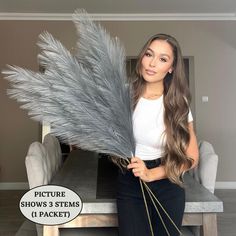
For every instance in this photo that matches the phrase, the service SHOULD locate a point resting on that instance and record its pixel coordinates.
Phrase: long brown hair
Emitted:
(176, 103)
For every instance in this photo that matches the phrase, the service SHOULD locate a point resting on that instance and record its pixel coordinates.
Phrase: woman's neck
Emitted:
(153, 91)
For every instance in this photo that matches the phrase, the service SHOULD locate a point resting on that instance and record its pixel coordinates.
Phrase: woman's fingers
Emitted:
(132, 165)
(135, 162)
(135, 159)
(138, 167)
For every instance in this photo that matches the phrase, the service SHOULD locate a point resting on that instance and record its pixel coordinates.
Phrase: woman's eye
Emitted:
(163, 60)
(147, 54)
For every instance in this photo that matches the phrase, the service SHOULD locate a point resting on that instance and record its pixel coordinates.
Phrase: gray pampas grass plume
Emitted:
(85, 97)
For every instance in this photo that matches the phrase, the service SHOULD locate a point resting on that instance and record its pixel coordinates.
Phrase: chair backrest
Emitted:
(206, 171)
(36, 166)
(54, 155)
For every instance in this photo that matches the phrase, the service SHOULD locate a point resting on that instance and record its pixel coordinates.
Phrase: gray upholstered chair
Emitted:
(54, 155)
(205, 172)
(36, 166)
(37, 173)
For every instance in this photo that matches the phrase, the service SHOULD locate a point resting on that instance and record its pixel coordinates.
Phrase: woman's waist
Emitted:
(152, 163)
(148, 153)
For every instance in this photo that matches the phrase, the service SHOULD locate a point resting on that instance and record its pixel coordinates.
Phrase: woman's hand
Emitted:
(147, 175)
(139, 169)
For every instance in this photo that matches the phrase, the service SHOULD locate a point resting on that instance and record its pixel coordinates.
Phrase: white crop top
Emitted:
(148, 126)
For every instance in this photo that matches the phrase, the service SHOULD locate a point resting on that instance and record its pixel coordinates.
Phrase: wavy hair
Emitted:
(176, 99)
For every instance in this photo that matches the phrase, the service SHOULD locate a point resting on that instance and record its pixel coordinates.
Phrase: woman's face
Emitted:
(157, 61)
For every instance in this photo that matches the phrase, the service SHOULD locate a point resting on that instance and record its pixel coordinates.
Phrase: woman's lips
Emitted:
(150, 72)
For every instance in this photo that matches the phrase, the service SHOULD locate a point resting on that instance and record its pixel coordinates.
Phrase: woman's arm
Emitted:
(192, 149)
(148, 175)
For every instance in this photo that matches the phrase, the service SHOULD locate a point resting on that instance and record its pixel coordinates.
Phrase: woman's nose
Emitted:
(153, 62)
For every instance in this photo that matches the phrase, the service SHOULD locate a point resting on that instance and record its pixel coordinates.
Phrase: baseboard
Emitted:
(225, 185)
(14, 186)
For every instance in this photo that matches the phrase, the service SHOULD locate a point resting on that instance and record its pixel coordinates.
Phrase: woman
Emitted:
(166, 144)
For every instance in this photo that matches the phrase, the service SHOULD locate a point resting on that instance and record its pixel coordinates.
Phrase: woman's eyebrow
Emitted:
(150, 50)
(162, 54)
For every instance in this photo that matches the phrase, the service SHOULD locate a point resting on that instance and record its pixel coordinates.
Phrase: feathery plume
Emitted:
(85, 97)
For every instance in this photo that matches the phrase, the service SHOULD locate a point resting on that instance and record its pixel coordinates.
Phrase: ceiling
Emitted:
(120, 6)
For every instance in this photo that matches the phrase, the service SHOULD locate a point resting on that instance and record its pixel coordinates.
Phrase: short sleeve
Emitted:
(190, 116)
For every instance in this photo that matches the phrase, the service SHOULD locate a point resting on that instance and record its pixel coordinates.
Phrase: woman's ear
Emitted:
(171, 70)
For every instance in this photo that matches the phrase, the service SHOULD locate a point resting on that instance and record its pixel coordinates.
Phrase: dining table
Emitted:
(93, 177)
